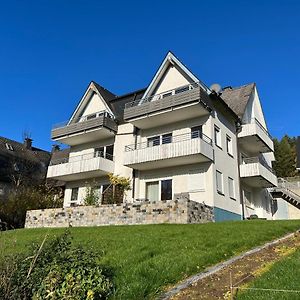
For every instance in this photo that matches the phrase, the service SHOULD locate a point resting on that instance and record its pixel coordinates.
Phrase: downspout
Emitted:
(135, 133)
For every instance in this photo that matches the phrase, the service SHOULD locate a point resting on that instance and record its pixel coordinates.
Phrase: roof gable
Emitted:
(95, 99)
(171, 73)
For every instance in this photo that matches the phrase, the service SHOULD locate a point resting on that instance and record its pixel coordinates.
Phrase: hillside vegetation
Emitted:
(146, 259)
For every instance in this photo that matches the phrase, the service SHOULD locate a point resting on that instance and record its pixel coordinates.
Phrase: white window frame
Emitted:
(230, 179)
(220, 190)
(218, 136)
(229, 147)
(159, 186)
(74, 201)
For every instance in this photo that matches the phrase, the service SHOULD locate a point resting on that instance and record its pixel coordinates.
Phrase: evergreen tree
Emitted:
(285, 157)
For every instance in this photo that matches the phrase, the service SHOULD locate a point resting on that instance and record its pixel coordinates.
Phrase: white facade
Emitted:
(172, 142)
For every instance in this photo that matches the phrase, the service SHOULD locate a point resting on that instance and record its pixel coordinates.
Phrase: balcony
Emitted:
(86, 129)
(176, 150)
(176, 105)
(256, 172)
(81, 167)
(255, 138)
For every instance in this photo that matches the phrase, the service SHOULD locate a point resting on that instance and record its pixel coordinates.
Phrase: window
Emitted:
(159, 190)
(219, 182)
(152, 190)
(182, 89)
(166, 138)
(229, 145)
(153, 141)
(167, 94)
(104, 188)
(218, 140)
(105, 152)
(196, 132)
(109, 152)
(231, 188)
(92, 116)
(166, 189)
(248, 199)
(9, 147)
(74, 194)
(196, 181)
(99, 152)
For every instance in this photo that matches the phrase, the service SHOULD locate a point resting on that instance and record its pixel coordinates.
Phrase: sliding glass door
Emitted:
(152, 191)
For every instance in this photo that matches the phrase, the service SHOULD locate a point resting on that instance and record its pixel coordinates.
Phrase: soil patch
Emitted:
(217, 285)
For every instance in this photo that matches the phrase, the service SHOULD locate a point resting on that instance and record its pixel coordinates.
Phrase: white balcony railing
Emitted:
(86, 166)
(257, 167)
(170, 147)
(257, 129)
(180, 96)
(98, 114)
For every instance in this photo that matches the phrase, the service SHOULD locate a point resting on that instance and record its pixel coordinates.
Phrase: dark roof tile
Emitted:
(237, 98)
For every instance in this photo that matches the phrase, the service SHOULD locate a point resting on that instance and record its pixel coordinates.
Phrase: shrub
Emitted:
(56, 271)
(91, 196)
(23, 198)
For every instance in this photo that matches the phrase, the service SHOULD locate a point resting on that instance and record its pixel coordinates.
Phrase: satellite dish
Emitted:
(216, 88)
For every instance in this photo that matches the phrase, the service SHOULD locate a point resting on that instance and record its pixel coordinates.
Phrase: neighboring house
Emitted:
(175, 136)
(20, 163)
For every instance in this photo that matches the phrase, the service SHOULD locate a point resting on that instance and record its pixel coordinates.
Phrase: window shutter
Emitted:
(196, 180)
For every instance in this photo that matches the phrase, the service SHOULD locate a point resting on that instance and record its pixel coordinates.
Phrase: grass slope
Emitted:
(147, 258)
(283, 275)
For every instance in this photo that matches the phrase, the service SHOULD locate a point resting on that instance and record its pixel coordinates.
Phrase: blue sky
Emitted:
(51, 50)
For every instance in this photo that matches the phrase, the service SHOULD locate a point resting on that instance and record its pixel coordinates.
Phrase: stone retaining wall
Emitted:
(180, 211)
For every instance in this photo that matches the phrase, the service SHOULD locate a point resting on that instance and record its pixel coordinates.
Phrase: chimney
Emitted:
(28, 143)
(55, 148)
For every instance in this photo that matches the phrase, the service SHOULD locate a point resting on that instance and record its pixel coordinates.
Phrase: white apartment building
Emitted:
(175, 136)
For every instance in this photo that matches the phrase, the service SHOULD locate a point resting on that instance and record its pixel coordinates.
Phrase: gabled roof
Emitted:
(118, 104)
(19, 150)
(105, 94)
(171, 59)
(237, 98)
(15, 158)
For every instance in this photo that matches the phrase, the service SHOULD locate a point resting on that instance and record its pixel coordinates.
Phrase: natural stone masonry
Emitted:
(181, 211)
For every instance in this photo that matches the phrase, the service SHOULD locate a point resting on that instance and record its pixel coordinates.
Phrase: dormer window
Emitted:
(9, 147)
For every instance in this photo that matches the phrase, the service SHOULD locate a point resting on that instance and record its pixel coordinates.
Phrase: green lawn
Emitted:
(147, 258)
(283, 275)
